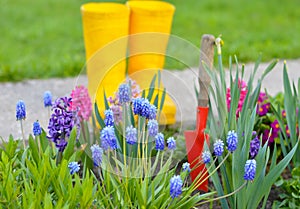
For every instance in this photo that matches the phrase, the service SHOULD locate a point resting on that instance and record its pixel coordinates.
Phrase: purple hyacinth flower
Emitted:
(109, 118)
(124, 93)
(108, 138)
(232, 141)
(47, 99)
(206, 157)
(218, 147)
(171, 143)
(152, 126)
(186, 167)
(97, 153)
(250, 170)
(61, 122)
(131, 135)
(74, 167)
(159, 142)
(254, 147)
(36, 129)
(175, 186)
(20, 110)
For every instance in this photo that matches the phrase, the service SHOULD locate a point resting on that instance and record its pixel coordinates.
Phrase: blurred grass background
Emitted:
(42, 39)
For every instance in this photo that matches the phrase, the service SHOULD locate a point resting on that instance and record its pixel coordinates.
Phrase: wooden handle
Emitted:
(207, 58)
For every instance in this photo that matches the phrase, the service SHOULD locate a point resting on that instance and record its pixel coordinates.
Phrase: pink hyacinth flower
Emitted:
(242, 85)
(81, 102)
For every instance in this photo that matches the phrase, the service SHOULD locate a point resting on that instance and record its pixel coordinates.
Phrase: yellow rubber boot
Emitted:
(105, 30)
(149, 29)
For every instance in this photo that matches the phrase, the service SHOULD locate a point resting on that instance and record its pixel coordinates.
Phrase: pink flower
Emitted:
(283, 113)
(275, 126)
(266, 136)
(287, 131)
(263, 105)
(81, 102)
(243, 92)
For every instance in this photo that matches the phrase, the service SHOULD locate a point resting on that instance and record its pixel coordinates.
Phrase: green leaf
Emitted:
(48, 201)
(69, 150)
(34, 149)
(105, 101)
(44, 140)
(151, 88)
(271, 178)
(98, 116)
(162, 101)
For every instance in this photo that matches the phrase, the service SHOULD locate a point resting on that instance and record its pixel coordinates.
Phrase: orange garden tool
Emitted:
(195, 138)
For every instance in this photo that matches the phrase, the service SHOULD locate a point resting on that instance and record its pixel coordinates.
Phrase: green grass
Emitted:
(42, 39)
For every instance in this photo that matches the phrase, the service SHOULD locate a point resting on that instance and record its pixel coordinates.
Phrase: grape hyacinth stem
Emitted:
(124, 135)
(23, 135)
(224, 196)
(37, 138)
(200, 179)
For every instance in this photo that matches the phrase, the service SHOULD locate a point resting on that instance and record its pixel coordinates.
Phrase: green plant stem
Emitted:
(83, 131)
(49, 112)
(139, 138)
(124, 136)
(23, 135)
(224, 196)
(116, 161)
(202, 174)
(201, 182)
(58, 157)
(37, 138)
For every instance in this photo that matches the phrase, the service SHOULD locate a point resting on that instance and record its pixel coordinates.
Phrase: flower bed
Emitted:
(120, 158)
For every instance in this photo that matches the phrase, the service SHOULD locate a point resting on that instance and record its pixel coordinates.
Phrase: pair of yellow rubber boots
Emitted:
(137, 31)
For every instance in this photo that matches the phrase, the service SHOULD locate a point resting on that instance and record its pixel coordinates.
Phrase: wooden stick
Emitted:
(207, 57)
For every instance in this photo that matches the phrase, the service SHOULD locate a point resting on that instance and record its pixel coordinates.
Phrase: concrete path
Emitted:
(179, 84)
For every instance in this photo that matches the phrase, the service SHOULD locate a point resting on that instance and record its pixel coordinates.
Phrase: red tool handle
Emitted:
(194, 147)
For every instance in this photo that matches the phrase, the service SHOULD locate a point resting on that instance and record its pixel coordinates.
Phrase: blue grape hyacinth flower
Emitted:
(175, 186)
(159, 142)
(145, 109)
(97, 153)
(109, 117)
(74, 167)
(232, 141)
(171, 143)
(206, 156)
(131, 135)
(108, 138)
(218, 147)
(152, 112)
(37, 130)
(152, 126)
(124, 93)
(47, 99)
(137, 105)
(20, 110)
(250, 170)
(186, 167)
